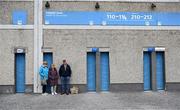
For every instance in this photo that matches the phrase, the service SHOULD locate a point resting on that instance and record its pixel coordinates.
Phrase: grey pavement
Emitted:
(92, 101)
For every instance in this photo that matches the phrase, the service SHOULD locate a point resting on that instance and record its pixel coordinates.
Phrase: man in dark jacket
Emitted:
(65, 74)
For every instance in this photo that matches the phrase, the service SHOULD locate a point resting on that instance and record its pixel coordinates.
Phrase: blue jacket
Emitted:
(43, 71)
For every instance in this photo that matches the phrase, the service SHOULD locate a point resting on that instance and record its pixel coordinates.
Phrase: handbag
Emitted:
(44, 82)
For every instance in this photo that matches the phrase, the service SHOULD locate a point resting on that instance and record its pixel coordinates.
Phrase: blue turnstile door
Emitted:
(147, 70)
(20, 72)
(91, 71)
(160, 71)
(104, 71)
(48, 57)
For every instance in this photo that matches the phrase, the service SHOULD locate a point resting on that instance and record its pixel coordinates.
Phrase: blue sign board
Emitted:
(151, 49)
(19, 17)
(95, 49)
(112, 18)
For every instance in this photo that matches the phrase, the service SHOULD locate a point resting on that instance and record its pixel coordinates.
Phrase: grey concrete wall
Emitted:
(126, 51)
(126, 57)
(112, 6)
(9, 39)
(6, 9)
(68, 45)
(171, 39)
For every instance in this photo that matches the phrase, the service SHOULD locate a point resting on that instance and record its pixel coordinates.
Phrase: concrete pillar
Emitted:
(38, 56)
(153, 71)
(98, 82)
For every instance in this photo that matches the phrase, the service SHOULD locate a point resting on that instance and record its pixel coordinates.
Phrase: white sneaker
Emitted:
(45, 94)
(52, 93)
(55, 93)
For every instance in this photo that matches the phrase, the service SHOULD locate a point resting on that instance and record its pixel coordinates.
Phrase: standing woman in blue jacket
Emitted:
(43, 71)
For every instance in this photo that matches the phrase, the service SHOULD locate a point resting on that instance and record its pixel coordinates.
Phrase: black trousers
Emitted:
(44, 89)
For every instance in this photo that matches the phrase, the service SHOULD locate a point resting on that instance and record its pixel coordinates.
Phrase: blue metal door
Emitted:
(91, 71)
(147, 70)
(49, 58)
(160, 71)
(104, 68)
(20, 72)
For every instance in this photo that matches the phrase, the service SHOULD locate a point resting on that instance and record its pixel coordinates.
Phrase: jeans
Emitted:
(65, 84)
(53, 89)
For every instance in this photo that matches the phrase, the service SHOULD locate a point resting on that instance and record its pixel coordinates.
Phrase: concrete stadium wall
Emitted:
(126, 46)
(126, 51)
(9, 40)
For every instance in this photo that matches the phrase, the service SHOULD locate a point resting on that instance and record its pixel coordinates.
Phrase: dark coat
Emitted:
(53, 77)
(63, 72)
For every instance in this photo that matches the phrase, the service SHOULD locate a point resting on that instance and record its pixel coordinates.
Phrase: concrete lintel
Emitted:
(160, 49)
(101, 49)
(9, 27)
(47, 49)
(78, 27)
(156, 48)
(104, 49)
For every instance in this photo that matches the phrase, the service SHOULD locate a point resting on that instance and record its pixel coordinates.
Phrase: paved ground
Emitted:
(92, 101)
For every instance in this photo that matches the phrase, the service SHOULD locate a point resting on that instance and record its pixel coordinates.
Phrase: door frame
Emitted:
(98, 51)
(156, 49)
(19, 50)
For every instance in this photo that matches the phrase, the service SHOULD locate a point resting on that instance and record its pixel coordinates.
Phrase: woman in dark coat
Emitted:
(53, 79)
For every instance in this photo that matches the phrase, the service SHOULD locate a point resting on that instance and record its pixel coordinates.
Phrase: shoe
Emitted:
(62, 93)
(44, 94)
(67, 93)
(52, 93)
(55, 93)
